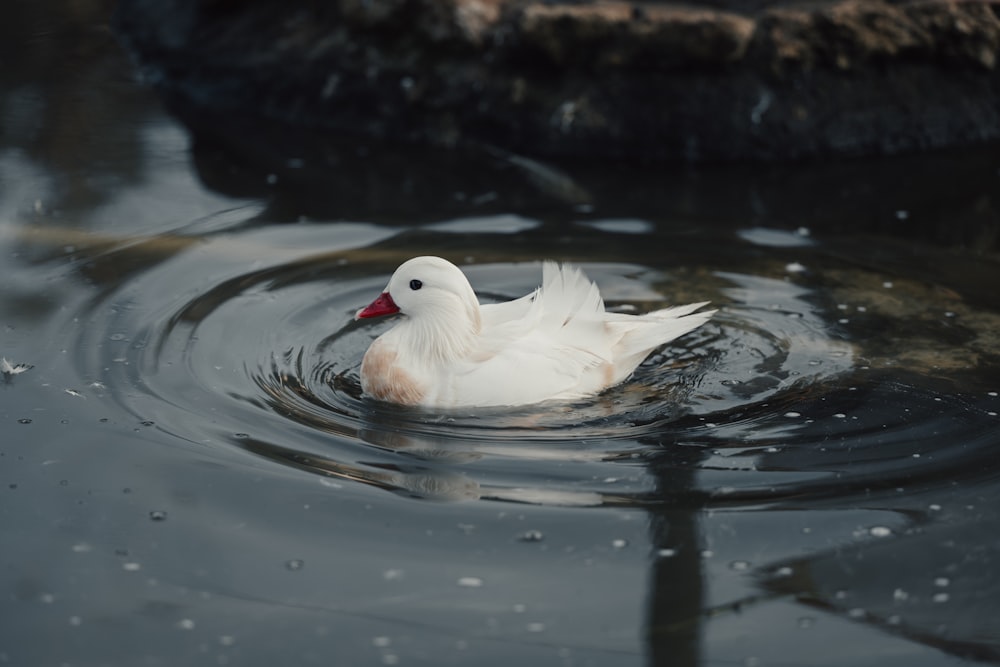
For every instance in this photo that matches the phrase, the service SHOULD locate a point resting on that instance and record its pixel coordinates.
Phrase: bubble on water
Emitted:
(942, 582)
(531, 536)
(227, 640)
(839, 415)
(117, 336)
(619, 543)
(392, 574)
(470, 582)
(783, 571)
(739, 566)
(131, 567)
(390, 659)
(887, 284)
(934, 507)
(793, 415)
(47, 598)
(706, 553)
(381, 641)
(806, 622)
(899, 595)
(895, 619)
(294, 564)
(157, 515)
(147, 423)
(75, 620)
(940, 597)
(185, 624)
(241, 436)
(82, 548)
(520, 608)
(795, 267)
(24, 421)
(880, 531)
(666, 553)
(902, 214)
(535, 627)
(857, 612)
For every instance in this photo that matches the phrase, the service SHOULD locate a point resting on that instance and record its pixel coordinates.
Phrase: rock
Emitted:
(702, 81)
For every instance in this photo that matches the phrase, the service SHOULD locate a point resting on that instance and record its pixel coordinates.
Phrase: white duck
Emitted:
(556, 343)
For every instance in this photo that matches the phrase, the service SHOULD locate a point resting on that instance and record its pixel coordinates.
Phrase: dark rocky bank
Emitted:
(712, 80)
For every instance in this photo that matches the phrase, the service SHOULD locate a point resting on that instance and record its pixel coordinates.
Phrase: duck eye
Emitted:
(415, 285)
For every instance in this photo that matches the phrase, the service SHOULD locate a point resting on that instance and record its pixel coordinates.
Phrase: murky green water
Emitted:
(190, 474)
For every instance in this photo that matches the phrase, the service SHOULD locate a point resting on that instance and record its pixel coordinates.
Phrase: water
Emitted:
(192, 476)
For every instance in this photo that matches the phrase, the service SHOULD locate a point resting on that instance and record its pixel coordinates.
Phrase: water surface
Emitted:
(192, 475)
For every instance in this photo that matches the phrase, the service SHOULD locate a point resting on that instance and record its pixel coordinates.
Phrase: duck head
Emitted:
(428, 290)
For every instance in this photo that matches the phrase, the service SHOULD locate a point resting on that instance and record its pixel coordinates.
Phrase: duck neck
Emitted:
(441, 339)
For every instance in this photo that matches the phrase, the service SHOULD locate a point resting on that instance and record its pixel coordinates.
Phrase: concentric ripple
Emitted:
(765, 403)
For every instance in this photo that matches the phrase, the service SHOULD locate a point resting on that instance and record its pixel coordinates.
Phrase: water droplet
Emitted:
(880, 531)
(470, 582)
(294, 564)
(531, 536)
(157, 515)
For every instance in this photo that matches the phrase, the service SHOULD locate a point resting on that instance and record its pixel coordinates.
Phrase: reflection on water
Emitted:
(815, 467)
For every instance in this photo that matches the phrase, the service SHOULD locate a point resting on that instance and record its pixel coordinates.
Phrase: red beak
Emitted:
(383, 305)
